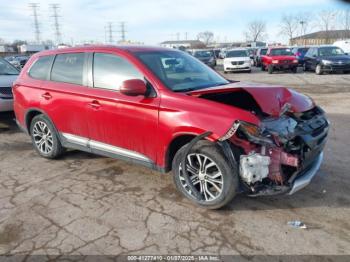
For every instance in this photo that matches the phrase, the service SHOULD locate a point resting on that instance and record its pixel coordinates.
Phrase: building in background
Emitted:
(183, 44)
(33, 48)
(320, 37)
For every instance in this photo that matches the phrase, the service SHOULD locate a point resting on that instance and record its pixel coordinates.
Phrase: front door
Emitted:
(121, 125)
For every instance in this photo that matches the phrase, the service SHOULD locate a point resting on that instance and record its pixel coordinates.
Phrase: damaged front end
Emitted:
(282, 154)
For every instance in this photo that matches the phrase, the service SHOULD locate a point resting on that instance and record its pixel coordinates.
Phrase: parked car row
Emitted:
(17, 60)
(8, 74)
(320, 59)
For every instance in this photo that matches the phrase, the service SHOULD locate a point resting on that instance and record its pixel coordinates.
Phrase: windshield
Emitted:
(330, 51)
(263, 51)
(237, 53)
(280, 51)
(6, 68)
(179, 71)
(203, 54)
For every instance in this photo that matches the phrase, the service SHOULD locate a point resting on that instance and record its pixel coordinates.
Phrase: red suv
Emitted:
(166, 110)
(279, 58)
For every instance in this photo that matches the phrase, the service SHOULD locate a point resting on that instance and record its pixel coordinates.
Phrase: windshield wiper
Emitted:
(8, 74)
(199, 88)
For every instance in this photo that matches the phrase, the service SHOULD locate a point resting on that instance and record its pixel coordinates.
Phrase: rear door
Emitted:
(63, 97)
(120, 124)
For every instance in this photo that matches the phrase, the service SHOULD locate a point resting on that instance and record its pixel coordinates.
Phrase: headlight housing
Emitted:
(275, 61)
(255, 134)
(252, 132)
(326, 62)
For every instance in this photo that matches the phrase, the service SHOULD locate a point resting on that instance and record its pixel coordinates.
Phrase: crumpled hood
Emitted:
(270, 98)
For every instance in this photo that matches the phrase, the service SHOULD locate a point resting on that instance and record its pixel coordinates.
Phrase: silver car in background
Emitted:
(8, 74)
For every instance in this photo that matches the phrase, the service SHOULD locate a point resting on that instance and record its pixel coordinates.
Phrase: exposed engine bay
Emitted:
(275, 153)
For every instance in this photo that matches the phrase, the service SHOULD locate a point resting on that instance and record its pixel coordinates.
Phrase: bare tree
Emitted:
(289, 25)
(345, 19)
(256, 31)
(206, 37)
(327, 19)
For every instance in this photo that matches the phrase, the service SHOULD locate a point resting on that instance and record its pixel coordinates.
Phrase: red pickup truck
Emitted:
(279, 58)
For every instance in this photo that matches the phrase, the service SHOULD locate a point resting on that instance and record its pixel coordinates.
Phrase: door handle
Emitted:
(46, 95)
(95, 104)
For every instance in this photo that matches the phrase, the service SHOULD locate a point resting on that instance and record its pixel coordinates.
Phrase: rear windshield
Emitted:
(203, 53)
(281, 51)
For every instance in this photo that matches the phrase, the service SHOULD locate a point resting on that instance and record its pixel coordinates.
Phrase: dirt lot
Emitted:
(86, 204)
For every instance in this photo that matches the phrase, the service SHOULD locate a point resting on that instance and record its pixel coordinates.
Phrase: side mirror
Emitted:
(133, 87)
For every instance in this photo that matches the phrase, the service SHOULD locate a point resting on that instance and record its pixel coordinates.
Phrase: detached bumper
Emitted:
(305, 178)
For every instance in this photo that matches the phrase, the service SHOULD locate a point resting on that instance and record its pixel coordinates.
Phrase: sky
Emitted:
(154, 21)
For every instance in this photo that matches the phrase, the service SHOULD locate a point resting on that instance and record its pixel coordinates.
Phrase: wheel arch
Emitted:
(33, 112)
(175, 144)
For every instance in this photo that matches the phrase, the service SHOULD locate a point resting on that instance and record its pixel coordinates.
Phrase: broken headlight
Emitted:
(255, 134)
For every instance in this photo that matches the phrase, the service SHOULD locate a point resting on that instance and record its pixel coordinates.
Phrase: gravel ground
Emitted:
(86, 204)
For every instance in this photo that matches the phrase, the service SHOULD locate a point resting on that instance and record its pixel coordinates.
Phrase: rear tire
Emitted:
(45, 138)
(294, 70)
(220, 165)
(262, 67)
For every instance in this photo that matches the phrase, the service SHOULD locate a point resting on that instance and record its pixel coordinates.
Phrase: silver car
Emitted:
(8, 74)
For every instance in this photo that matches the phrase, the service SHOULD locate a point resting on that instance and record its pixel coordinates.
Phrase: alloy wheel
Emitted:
(205, 176)
(42, 137)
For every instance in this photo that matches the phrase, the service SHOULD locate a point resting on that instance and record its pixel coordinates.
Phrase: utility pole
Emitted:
(122, 32)
(56, 24)
(35, 7)
(302, 23)
(177, 36)
(186, 34)
(110, 32)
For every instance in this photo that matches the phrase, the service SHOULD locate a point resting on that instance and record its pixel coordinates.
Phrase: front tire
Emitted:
(318, 70)
(210, 172)
(45, 138)
(270, 69)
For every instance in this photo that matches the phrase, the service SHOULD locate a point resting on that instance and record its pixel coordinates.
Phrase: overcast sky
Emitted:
(153, 21)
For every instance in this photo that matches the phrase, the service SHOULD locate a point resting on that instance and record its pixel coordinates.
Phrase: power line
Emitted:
(35, 7)
(56, 24)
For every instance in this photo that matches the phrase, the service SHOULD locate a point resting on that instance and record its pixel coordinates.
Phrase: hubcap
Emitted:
(42, 137)
(205, 175)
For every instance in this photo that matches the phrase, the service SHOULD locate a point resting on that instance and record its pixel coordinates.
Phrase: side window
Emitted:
(109, 71)
(40, 69)
(68, 68)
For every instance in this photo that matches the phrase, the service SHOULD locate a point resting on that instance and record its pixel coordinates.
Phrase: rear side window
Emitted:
(40, 69)
(68, 68)
(110, 71)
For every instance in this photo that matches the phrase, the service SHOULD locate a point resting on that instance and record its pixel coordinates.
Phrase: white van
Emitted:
(343, 44)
